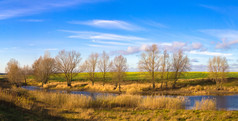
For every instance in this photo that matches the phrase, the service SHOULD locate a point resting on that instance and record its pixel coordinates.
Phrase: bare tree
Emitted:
(13, 72)
(26, 71)
(104, 65)
(119, 68)
(43, 68)
(67, 63)
(149, 62)
(165, 68)
(180, 64)
(90, 66)
(218, 70)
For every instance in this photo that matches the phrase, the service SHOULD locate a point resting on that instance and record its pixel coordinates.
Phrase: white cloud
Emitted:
(108, 24)
(174, 46)
(102, 36)
(226, 44)
(16, 8)
(209, 53)
(181, 45)
(228, 37)
(131, 50)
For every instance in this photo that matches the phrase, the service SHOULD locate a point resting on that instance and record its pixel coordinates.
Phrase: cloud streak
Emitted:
(209, 53)
(108, 24)
(228, 38)
(171, 47)
(102, 36)
(16, 8)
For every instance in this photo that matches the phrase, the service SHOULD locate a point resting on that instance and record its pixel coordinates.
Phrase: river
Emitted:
(227, 102)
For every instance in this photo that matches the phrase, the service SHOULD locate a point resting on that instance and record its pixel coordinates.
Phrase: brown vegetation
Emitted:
(13, 72)
(67, 63)
(218, 69)
(43, 68)
(150, 63)
(119, 68)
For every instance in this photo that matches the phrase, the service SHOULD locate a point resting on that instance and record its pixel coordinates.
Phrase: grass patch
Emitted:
(205, 104)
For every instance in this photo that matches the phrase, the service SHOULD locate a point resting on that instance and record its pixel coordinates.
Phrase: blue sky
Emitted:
(202, 28)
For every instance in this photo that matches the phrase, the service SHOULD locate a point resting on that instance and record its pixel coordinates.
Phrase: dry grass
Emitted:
(205, 104)
(62, 100)
(72, 101)
(163, 103)
(116, 101)
(17, 96)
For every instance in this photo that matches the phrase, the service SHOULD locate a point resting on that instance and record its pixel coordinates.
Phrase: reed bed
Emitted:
(71, 101)
(205, 104)
(163, 103)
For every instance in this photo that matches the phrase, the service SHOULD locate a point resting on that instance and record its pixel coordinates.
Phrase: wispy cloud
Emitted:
(171, 47)
(226, 44)
(176, 45)
(155, 24)
(101, 46)
(108, 24)
(51, 49)
(110, 42)
(227, 37)
(130, 50)
(16, 8)
(32, 20)
(215, 8)
(102, 36)
(209, 53)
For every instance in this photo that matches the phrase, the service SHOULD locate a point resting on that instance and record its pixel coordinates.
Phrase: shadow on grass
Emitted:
(4, 83)
(202, 82)
(11, 112)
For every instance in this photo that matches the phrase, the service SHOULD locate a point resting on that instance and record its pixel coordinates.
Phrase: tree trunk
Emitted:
(92, 82)
(174, 84)
(161, 86)
(166, 85)
(119, 87)
(153, 80)
(25, 80)
(69, 84)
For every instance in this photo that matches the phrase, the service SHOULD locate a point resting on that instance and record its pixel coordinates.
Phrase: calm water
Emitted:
(223, 102)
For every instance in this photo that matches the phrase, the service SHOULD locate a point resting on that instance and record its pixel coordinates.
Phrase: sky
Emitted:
(202, 28)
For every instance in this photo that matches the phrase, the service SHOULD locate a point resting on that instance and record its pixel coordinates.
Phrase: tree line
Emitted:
(154, 64)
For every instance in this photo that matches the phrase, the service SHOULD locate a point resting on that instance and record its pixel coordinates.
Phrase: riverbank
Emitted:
(185, 87)
(57, 106)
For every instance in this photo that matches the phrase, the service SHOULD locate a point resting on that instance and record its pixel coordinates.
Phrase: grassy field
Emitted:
(191, 83)
(138, 76)
(20, 104)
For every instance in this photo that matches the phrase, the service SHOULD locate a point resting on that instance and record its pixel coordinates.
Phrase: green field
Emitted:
(138, 76)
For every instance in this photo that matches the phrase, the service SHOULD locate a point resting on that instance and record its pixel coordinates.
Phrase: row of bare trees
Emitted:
(163, 66)
(156, 65)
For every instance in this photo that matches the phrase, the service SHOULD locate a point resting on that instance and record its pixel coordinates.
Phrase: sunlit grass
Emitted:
(205, 104)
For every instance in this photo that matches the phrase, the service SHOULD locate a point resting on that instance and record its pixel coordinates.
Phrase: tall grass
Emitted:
(71, 101)
(163, 103)
(205, 104)
(63, 100)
